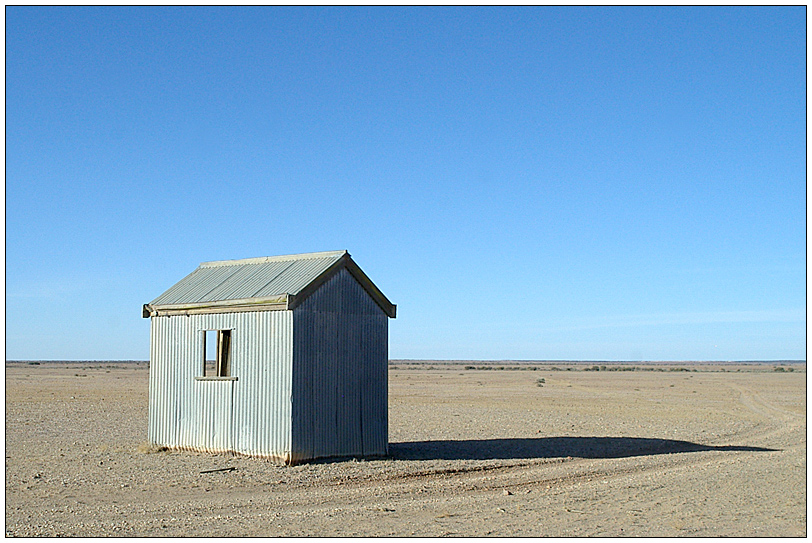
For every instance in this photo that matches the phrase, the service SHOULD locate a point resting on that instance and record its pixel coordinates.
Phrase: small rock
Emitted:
(507, 492)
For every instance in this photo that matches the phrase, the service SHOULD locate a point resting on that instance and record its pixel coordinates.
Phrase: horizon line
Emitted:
(491, 360)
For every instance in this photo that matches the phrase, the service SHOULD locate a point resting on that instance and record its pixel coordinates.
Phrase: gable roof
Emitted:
(258, 284)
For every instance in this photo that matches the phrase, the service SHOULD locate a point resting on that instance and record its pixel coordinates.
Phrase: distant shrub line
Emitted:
(579, 367)
(498, 368)
(569, 368)
(636, 368)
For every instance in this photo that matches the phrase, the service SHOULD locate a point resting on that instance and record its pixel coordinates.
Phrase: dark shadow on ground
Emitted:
(550, 447)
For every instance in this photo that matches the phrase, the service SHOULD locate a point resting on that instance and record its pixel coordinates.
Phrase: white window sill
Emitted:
(198, 378)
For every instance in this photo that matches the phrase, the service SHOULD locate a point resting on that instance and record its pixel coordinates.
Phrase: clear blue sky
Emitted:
(529, 183)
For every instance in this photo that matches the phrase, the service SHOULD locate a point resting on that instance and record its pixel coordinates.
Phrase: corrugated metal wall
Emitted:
(215, 405)
(340, 378)
(249, 415)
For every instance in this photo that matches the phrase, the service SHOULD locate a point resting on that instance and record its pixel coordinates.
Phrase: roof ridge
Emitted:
(264, 259)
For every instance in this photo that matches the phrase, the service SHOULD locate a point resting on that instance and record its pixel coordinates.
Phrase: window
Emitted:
(217, 353)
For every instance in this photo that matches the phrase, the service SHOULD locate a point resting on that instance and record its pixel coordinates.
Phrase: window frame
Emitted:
(223, 361)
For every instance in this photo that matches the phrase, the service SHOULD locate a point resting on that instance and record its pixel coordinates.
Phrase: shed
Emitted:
(300, 359)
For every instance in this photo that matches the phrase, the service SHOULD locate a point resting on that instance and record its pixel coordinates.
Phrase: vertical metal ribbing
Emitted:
(331, 400)
(250, 415)
(340, 373)
(163, 411)
(152, 435)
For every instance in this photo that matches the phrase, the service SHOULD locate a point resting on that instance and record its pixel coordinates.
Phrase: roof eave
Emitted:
(268, 303)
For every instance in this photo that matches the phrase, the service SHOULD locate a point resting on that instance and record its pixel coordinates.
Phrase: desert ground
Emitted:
(475, 450)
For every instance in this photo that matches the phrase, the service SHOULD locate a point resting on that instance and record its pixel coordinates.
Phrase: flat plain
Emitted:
(525, 450)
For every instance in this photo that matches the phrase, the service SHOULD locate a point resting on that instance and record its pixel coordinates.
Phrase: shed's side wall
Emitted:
(340, 376)
(250, 415)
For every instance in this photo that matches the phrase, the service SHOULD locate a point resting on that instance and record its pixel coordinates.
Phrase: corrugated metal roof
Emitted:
(249, 278)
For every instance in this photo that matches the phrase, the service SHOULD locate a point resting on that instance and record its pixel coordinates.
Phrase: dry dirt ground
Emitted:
(474, 453)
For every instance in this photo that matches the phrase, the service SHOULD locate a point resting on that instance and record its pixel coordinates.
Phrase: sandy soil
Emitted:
(474, 453)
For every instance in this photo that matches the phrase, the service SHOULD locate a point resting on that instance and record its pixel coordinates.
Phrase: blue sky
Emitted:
(526, 183)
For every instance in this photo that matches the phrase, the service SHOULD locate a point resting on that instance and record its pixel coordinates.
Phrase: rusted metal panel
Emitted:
(340, 373)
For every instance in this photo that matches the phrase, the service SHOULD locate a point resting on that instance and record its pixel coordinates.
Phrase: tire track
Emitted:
(756, 404)
(781, 422)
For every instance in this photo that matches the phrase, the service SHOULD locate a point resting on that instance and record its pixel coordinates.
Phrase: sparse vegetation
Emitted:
(435, 365)
(62, 439)
(149, 448)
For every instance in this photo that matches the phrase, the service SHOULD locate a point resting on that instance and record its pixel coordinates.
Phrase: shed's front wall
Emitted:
(249, 415)
(340, 378)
